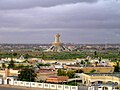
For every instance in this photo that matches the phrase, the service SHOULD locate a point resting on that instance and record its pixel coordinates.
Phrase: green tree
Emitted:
(11, 64)
(79, 71)
(71, 74)
(93, 71)
(119, 53)
(96, 64)
(26, 56)
(43, 56)
(27, 74)
(61, 72)
(82, 62)
(22, 66)
(26, 61)
(95, 53)
(15, 54)
(116, 67)
(3, 65)
(100, 58)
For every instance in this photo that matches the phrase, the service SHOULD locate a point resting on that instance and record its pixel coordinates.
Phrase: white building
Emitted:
(104, 87)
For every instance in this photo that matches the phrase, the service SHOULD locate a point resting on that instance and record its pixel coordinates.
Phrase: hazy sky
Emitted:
(78, 21)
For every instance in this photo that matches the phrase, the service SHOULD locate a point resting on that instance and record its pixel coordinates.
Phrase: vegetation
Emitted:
(41, 81)
(3, 65)
(79, 71)
(11, 64)
(109, 54)
(82, 62)
(42, 64)
(21, 66)
(93, 71)
(27, 74)
(61, 72)
(69, 73)
(26, 56)
(117, 69)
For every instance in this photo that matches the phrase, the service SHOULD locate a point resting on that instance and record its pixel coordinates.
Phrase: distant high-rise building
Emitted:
(57, 45)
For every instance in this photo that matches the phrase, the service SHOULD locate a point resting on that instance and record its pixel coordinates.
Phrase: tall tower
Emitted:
(57, 46)
(57, 40)
(57, 37)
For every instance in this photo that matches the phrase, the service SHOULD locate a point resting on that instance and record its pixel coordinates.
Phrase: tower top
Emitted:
(57, 38)
(57, 46)
(57, 35)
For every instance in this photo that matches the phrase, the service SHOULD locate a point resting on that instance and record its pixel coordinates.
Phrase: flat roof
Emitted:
(13, 76)
(105, 74)
(105, 85)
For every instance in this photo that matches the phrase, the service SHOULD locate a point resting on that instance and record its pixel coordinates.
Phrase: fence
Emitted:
(45, 85)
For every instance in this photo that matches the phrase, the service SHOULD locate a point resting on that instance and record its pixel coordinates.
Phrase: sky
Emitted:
(78, 21)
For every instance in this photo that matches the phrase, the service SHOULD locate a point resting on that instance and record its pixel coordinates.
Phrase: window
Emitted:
(116, 87)
(39, 85)
(46, 85)
(73, 88)
(27, 83)
(66, 87)
(52, 85)
(105, 88)
(59, 86)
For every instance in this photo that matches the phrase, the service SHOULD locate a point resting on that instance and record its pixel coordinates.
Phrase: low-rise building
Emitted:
(89, 69)
(104, 87)
(93, 79)
(57, 79)
(9, 72)
(43, 74)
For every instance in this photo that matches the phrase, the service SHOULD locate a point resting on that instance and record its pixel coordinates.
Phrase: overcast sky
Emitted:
(78, 21)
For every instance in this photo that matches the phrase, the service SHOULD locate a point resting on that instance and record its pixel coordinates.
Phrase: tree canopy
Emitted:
(116, 67)
(27, 74)
(61, 72)
(11, 64)
(69, 73)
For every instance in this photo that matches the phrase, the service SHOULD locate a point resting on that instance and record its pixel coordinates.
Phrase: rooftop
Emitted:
(106, 85)
(105, 74)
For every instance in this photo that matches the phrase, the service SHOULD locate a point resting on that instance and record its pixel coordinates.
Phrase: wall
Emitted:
(86, 79)
(45, 85)
(101, 88)
(8, 72)
(98, 69)
(1, 81)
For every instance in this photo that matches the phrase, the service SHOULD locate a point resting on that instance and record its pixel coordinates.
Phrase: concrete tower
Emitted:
(57, 40)
(57, 37)
(57, 46)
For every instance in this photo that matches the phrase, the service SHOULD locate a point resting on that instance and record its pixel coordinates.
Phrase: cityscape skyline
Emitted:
(78, 21)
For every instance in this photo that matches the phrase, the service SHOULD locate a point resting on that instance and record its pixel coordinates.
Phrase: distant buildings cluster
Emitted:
(57, 45)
